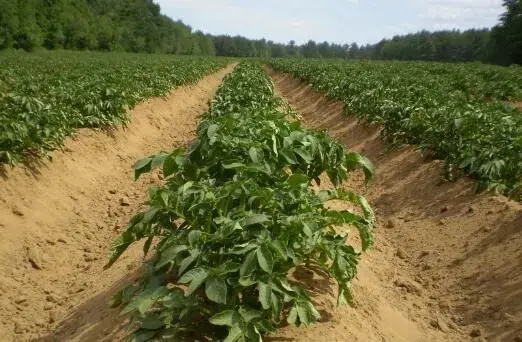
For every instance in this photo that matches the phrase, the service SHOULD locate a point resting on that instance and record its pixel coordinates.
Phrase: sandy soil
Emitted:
(58, 219)
(447, 265)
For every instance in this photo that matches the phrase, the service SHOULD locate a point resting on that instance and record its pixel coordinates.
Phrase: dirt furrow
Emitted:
(57, 220)
(447, 265)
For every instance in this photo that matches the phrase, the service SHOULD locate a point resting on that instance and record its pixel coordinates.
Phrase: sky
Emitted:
(340, 21)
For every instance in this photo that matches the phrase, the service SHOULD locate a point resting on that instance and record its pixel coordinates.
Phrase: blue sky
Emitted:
(341, 21)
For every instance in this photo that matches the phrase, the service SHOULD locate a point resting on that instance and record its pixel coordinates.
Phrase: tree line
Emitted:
(106, 25)
(454, 46)
(138, 26)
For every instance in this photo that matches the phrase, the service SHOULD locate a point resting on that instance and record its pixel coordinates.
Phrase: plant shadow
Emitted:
(469, 243)
(94, 320)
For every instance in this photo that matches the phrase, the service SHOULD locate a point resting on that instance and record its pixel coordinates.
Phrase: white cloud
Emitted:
(400, 29)
(331, 20)
(247, 19)
(294, 23)
(459, 13)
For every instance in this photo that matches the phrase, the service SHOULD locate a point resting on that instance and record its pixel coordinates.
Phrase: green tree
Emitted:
(508, 35)
(354, 50)
(205, 44)
(278, 50)
(139, 26)
(291, 49)
(106, 35)
(8, 22)
(263, 50)
(28, 34)
(310, 50)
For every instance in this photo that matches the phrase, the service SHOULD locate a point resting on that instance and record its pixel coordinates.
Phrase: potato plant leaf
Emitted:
(265, 259)
(235, 214)
(216, 290)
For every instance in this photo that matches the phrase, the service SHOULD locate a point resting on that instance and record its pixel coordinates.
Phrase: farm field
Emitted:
(247, 217)
(46, 96)
(453, 254)
(261, 204)
(464, 114)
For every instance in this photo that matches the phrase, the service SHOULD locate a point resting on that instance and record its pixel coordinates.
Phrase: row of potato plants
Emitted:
(46, 96)
(236, 215)
(456, 112)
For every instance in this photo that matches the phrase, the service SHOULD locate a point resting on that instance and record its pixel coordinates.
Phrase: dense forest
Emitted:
(470, 45)
(108, 25)
(139, 26)
(500, 45)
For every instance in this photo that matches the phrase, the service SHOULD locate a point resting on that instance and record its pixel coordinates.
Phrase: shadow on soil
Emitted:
(474, 241)
(32, 165)
(94, 320)
(33, 162)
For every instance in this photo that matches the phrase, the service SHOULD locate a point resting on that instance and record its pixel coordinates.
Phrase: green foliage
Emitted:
(449, 46)
(46, 96)
(455, 111)
(507, 36)
(139, 26)
(235, 216)
(107, 25)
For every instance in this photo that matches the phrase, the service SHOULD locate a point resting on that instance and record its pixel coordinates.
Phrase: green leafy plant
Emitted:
(46, 96)
(455, 111)
(236, 215)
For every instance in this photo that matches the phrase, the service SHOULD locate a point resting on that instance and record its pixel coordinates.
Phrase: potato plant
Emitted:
(458, 112)
(236, 215)
(46, 96)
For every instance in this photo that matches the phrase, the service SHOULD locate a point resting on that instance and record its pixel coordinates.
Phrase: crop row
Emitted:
(236, 215)
(45, 96)
(455, 111)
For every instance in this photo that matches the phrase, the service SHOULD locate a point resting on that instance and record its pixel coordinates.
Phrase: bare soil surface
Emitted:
(447, 265)
(58, 219)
